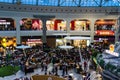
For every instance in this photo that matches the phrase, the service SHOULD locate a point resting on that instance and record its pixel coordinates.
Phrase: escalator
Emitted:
(110, 66)
(107, 75)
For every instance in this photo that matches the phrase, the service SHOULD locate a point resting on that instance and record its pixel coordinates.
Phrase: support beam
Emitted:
(100, 5)
(96, 2)
(37, 2)
(58, 2)
(13, 1)
(79, 3)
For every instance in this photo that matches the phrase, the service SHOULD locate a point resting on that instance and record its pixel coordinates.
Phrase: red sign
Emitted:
(105, 32)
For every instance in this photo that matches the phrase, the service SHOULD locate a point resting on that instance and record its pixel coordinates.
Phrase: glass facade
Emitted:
(63, 3)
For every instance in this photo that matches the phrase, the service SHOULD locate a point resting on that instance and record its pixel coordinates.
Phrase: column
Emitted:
(68, 25)
(117, 30)
(92, 29)
(44, 31)
(44, 18)
(68, 28)
(18, 39)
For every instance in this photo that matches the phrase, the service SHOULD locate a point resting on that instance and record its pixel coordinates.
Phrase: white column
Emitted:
(68, 20)
(92, 22)
(17, 21)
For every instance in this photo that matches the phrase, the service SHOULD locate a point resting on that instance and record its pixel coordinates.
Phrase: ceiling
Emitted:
(66, 3)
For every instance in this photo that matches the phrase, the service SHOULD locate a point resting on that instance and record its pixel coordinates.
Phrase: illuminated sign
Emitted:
(112, 53)
(111, 48)
(104, 32)
(34, 41)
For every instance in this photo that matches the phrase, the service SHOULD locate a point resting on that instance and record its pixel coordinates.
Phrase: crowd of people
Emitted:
(53, 61)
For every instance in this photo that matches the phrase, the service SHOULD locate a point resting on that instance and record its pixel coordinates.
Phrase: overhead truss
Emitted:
(72, 3)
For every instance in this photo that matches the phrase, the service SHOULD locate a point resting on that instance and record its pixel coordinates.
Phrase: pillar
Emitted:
(18, 39)
(44, 31)
(68, 25)
(117, 30)
(68, 21)
(92, 30)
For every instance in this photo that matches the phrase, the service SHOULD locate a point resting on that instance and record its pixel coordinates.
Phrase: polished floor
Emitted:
(38, 71)
(21, 74)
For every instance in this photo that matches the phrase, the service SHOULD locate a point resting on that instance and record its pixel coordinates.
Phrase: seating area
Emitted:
(56, 62)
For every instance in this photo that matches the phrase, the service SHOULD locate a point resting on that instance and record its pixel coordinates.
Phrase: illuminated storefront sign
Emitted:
(112, 53)
(34, 41)
(104, 32)
(111, 48)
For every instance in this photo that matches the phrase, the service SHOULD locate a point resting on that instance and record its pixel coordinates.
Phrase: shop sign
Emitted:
(111, 48)
(34, 41)
(104, 32)
(112, 53)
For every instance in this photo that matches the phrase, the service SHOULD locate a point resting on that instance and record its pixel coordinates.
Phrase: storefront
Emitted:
(78, 41)
(30, 24)
(105, 31)
(56, 24)
(7, 42)
(60, 42)
(81, 43)
(31, 40)
(7, 24)
(82, 25)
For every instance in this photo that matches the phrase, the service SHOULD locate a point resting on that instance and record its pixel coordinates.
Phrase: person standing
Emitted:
(85, 66)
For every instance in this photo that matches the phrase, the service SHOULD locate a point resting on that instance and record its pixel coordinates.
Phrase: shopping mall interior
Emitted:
(59, 39)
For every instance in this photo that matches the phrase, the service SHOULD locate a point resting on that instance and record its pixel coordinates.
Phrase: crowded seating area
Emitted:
(57, 62)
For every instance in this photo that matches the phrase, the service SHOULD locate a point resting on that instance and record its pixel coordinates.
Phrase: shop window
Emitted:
(30, 24)
(81, 43)
(81, 25)
(7, 24)
(105, 24)
(59, 25)
(8, 42)
(60, 42)
(32, 40)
